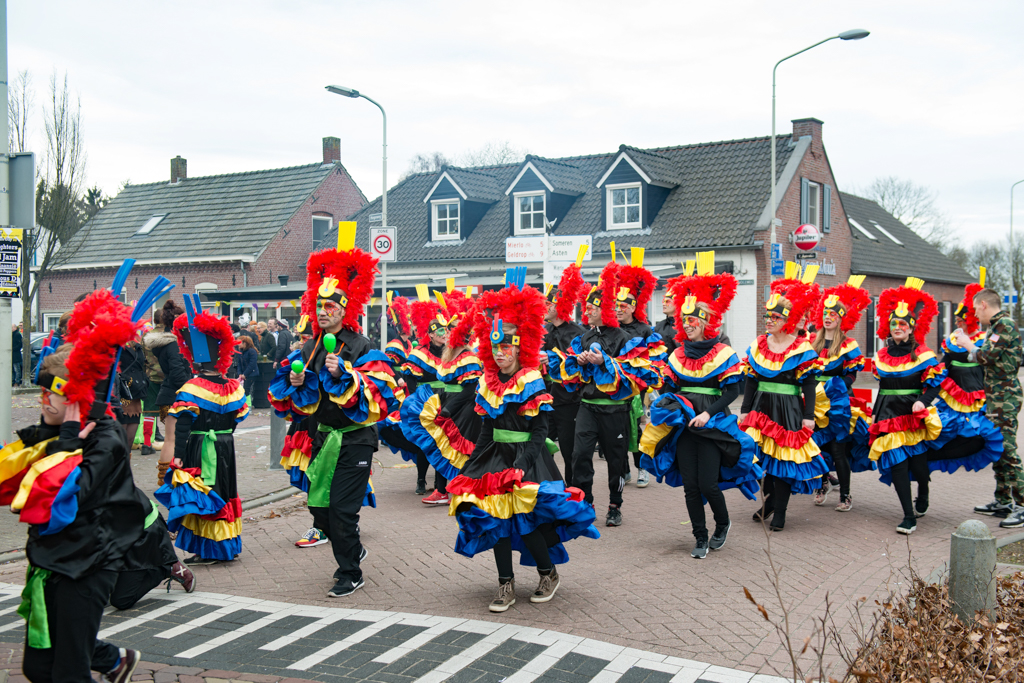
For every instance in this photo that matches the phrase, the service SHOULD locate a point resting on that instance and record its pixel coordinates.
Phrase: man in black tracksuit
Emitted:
(633, 328)
(566, 404)
(667, 327)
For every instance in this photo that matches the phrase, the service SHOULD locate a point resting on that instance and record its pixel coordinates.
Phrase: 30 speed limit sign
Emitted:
(383, 243)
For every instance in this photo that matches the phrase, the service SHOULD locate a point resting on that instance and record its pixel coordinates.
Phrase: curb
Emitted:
(266, 499)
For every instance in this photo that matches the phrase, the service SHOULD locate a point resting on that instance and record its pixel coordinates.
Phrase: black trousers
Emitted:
(440, 483)
(918, 465)
(611, 431)
(340, 521)
(74, 608)
(841, 461)
(699, 462)
(563, 426)
(422, 465)
(534, 542)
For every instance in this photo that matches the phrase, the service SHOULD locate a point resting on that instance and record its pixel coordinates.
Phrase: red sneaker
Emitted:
(437, 498)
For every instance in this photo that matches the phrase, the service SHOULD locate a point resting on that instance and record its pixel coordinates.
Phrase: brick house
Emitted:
(206, 234)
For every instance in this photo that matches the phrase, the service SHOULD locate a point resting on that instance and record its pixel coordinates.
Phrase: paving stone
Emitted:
(219, 673)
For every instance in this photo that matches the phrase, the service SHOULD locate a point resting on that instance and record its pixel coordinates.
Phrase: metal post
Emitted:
(6, 378)
(1013, 258)
(972, 569)
(383, 219)
(278, 431)
(384, 304)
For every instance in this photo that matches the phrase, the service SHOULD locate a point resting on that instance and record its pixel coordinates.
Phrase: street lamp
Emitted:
(853, 34)
(352, 92)
(1013, 256)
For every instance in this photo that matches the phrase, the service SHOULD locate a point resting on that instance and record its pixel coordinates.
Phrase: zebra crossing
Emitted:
(337, 644)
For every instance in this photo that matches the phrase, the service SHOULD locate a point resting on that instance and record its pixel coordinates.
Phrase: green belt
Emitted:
(779, 388)
(209, 462)
(511, 436)
(710, 391)
(605, 401)
(825, 378)
(33, 608)
(961, 364)
(151, 517)
(321, 468)
(450, 388)
(898, 392)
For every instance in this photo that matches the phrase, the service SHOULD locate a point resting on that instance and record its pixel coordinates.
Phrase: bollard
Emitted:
(972, 567)
(278, 431)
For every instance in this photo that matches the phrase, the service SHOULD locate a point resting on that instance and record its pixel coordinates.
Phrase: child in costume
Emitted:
(510, 495)
(837, 313)
(779, 397)
(201, 490)
(345, 387)
(693, 439)
(399, 344)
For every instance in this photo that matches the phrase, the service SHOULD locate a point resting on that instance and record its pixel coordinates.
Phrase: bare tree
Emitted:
(494, 153)
(426, 163)
(18, 110)
(913, 205)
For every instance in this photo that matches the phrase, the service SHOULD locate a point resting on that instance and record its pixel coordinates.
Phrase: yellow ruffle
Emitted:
(295, 459)
(519, 501)
(38, 467)
(464, 359)
(429, 361)
(822, 404)
(494, 400)
(201, 392)
(858, 414)
(708, 367)
(183, 407)
(911, 437)
(652, 436)
(805, 453)
(755, 355)
(213, 529)
(16, 456)
(902, 367)
(960, 407)
(180, 477)
(431, 408)
(357, 382)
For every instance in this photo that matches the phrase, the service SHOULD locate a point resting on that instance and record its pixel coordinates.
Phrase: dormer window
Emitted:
(624, 205)
(530, 214)
(445, 219)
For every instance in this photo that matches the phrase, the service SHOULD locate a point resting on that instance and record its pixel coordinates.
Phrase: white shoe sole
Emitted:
(500, 608)
(332, 594)
(535, 599)
(312, 545)
(906, 532)
(642, 484)
(436, 502)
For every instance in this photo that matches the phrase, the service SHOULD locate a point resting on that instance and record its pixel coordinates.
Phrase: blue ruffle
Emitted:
(206, 548)
(458, 372)
(388, 430)
(654, 340)
(64, 507)
(281, 388)
(966, 425)
(369, 500)
(859, 454)
(727, 364)
(337, 386)
(415, 432)
(298, 478)
(802, 478)
(745, 475)
(793, 361)
(920, 366)
(184, 500)
(479, 532)
(530, 389)
(890, 459)
(839, 414)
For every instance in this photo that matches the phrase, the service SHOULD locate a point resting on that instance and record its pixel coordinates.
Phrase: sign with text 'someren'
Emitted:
(384, 243)
(561, 248)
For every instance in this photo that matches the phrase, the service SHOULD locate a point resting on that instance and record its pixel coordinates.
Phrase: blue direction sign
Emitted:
(777, 251)
(778, 267)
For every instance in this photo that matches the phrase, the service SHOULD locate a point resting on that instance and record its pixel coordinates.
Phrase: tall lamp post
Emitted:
(351, 92)
(854, 34)
(1013, 256)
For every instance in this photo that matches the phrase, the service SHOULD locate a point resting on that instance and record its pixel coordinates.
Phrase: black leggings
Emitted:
(918, 466)
(699, 462)
(776, 494)
(841, 462)
(421, 467)
(534, 542)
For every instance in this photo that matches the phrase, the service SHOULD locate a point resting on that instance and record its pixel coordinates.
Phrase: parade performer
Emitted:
(608, 370)
(694, 440)
(344, 386)
(399, 344)
(909, 375)
(779, 397)
(509, 495)
(201, 490)
(69, 478)
(635, 287)
(561, 330)
(666, 327)
(838, 311)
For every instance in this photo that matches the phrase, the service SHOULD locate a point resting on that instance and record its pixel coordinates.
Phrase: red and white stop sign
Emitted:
(806, 237)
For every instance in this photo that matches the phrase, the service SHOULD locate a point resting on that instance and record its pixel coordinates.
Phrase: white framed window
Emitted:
(814, 204)
(321, 226)
(624, 205)
(52, 322)
(529, 218)
(445, 222)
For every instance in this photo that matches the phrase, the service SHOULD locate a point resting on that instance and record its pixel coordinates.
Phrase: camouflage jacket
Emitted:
(1000, 354)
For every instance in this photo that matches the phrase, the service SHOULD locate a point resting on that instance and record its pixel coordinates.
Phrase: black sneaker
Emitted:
(146, 450)
(362, 556)
(907, 526)
(921, 506)
(1014, 519)
(614, 517)
(196, 561)
(700, 549)
(995, 509)
(421, 487)
(721, 533)
(344, 588)
(125, 667)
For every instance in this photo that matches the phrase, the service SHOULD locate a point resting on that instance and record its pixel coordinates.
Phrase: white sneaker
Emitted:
(642, 479)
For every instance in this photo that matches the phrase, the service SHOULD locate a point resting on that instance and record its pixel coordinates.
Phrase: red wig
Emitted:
(606, 287)
(356, 272)
(401, 315)
(803, 297)
(213, 326)
(523, 308)
(853, 299)
(920, 303)
(714, 291)
(460, 334)
(422, 313)
(966, 308)
(99, 325)
(641, 283)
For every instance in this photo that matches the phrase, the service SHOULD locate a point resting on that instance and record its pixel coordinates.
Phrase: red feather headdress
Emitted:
(604, 295)
(568, 293)
(214, 327)
(965, 309)
(401, 315)
(424, 311)
(847, 299)
(459, 307)
(801, 292)
(714, 291)
(355, 271)
(523, 308)
(98, 327)
(907, 302)
(638, 281)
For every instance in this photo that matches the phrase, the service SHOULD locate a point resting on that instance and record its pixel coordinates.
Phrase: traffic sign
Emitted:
(1010, 298)
(560, 248)
(383, 243)
(776, 251)
(778, 268)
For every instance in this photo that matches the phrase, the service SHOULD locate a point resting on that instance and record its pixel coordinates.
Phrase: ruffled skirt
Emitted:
(443, 425)
(832, 412)
(790, 455)
(206, 524)
(896, 439)
(968, 440)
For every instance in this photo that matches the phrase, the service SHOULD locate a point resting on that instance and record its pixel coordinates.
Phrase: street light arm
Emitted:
(794, 55)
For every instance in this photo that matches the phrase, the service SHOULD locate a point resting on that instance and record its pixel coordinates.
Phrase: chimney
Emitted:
(812, 127)
(179, 169)
(332, 150)
(283, 279)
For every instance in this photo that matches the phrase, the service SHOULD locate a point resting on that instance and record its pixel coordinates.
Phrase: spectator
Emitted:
(268, 341)
(133, 384)
(16, 351)
(284, 341)
(247, 332)
(248, 371)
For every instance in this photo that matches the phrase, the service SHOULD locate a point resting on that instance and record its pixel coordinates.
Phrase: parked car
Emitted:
(38, 338)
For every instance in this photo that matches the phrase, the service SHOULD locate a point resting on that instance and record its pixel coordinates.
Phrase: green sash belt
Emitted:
(898, 392)
(710, 391)
(209, 463)
(779, 388)
(321, 468)
(511, 436)
(605, 401)
(151, 517)
(961, 364)
(825, 378)
(450, 388)
(33, 608)
(636, 411)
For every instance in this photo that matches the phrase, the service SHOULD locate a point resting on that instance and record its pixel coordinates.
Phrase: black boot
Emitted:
(782, 493)
(421, 487)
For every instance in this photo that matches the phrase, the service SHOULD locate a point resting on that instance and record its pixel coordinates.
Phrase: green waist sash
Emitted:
(33, 608)
(779, 388)
(825, 378)
(512, 436)
(898, 392)
(451, 388)
(962, 364)
(606, 401)
(209, 463)
(321, 468)
(710, 391)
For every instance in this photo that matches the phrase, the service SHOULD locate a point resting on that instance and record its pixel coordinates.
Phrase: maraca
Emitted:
(297, 367)
(595, 347)
(330, 342)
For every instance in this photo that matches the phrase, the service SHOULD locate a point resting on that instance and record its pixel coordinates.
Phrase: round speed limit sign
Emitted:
(382, 243)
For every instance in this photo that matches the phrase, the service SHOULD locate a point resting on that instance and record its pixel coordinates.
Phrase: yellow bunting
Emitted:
(422, 293)
(346, 235)
(705, 263)
(612, 245)
(581, 254)
(449, 283)
(390, 295)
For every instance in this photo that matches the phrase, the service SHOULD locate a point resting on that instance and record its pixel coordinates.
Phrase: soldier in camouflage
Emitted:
(1000, 354)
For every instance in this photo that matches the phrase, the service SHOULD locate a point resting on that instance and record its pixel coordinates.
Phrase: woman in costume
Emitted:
(909, 375)
(779, 398)
(509, 494)
(693, 439)
(399, 344)
(200, 490)
(837, 313)
(163, 344)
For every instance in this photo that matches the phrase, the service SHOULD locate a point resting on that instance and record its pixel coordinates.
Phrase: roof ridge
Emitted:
(717, 142)
(557, 162)
(240, 173)
(653, 152)
(469, 170)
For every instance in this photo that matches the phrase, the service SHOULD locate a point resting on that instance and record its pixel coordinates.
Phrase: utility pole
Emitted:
(6, 376)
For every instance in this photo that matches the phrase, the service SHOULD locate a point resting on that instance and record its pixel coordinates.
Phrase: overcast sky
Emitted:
(934, 95)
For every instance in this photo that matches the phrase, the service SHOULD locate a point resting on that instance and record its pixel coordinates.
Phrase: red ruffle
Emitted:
(231, 511)
(535, 402)
(9, 487)
(768, 354)
(576, 495)
(491, 484)
(225, 389)
(890, 360)
(636, 352)
(455, 437)
(282, 406)
(375, 366)
(900, 423)
(777, 432)
(856, 402)
(965, 397)
(697, 364)
(302, 442)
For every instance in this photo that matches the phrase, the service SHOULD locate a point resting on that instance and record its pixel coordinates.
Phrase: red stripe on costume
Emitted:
(44, 490)
(857, 402)
(231, 511)
(696, 365)
(302, 442)
(9, 488)
(282, 406)
(535, 402)
(768, 354)
(885, 357)
(226, 389)
(964, 397)
(375, 366)
(490, 484)
(900, 423)
(455, 437)
(638, 351)
(777, 432)
(576, 495)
